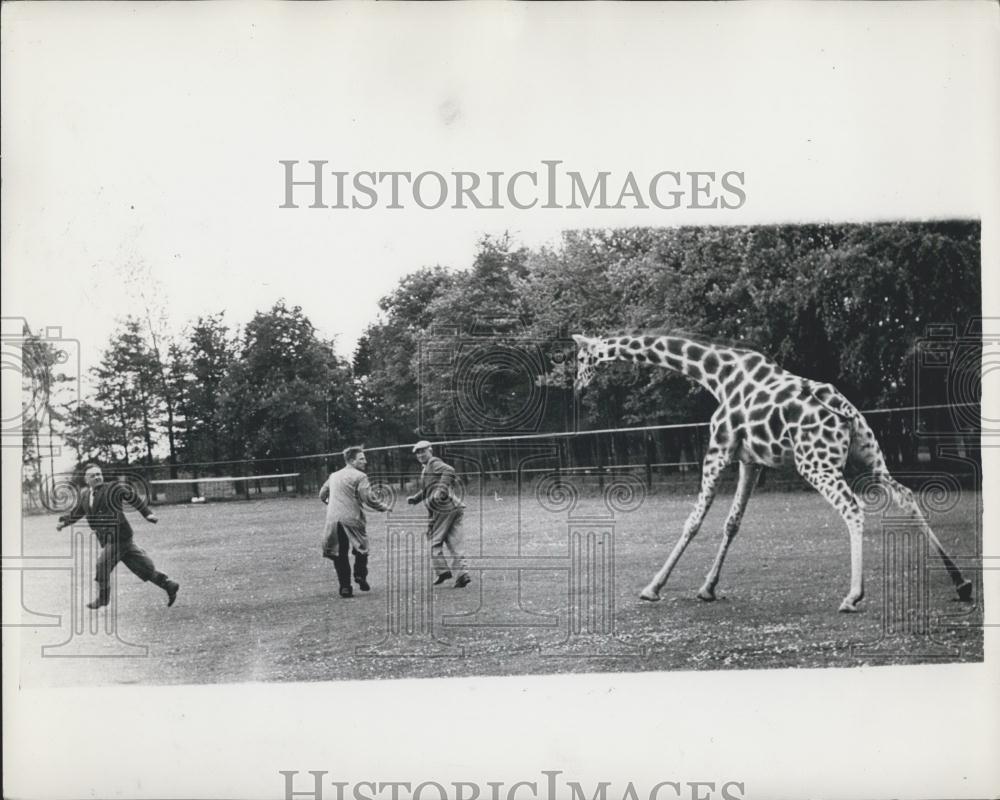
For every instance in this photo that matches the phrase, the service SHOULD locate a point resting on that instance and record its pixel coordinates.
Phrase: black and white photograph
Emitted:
(490, 401)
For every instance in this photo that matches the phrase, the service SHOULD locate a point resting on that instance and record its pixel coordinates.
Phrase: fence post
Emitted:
(398, 466)
(649, 461)
(600, 462)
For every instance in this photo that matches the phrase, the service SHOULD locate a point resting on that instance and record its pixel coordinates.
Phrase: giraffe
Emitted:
(765, 416)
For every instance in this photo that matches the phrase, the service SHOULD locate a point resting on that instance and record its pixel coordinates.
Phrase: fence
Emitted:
(199, 490)
(664, 457)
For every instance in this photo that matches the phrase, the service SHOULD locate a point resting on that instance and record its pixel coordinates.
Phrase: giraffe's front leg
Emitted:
(691, 526)
(749, 473)
(714, 462)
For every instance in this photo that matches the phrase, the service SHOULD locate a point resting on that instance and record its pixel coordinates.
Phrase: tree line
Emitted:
(271, 389)
(844, 303)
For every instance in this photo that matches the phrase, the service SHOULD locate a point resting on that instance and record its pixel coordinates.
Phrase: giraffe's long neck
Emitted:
(699, 362)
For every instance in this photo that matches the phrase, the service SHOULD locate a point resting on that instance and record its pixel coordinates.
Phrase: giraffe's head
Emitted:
(587, 358)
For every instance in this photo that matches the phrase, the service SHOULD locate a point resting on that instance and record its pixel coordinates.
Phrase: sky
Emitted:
(152, 139)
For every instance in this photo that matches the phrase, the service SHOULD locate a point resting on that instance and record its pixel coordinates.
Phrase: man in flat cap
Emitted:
(346, 493)
(439, 492)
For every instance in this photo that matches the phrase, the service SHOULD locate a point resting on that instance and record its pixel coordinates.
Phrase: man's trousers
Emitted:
(341, 541)
(445, 532)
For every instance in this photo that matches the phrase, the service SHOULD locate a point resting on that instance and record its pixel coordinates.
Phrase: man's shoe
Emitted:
(171, 588)
(442, 578)
(463, 580)
(363, 584)
(346, 591)
(98, 602)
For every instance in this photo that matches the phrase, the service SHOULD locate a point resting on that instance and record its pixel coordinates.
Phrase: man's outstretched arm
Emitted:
(138, 501)
(77, 513)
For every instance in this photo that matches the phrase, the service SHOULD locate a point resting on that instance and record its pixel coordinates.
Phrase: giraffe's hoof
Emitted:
(964, 590)
(708, 595)
(848, 607)
(649, 594)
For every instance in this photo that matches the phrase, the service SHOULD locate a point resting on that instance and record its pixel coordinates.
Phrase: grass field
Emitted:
(259, 603)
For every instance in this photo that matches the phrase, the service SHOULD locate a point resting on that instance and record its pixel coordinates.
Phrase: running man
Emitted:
(104, 507)
(446, 511)
(346, 493)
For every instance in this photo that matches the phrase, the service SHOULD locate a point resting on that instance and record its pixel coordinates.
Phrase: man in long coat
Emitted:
(346, 493)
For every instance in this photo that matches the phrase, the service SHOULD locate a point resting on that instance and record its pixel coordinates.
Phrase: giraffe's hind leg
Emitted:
(715, 461)
(830, 483)
(749, 473)
(866, 449)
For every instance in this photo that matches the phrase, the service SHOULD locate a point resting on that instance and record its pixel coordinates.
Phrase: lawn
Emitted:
(259, 603)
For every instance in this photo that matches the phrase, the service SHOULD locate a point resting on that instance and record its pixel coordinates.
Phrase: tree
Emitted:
(43, 414)
(128, 396)
(600, 281)
(470, 321)
(146, 292)
(386, 360)
(198, 373)
(93, 435)
(288, 392)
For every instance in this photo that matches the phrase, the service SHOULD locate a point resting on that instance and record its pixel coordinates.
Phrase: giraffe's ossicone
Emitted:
(766, 416)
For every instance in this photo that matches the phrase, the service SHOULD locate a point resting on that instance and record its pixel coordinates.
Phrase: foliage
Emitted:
(123, 421)
(461, 357)
(198, 370)
(287, 393)
(845, 303)
(386, 359)
(840, 303)
(43, 414)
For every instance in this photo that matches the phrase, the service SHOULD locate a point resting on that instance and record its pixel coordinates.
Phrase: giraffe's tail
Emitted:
(832, 400)
(865, 449)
